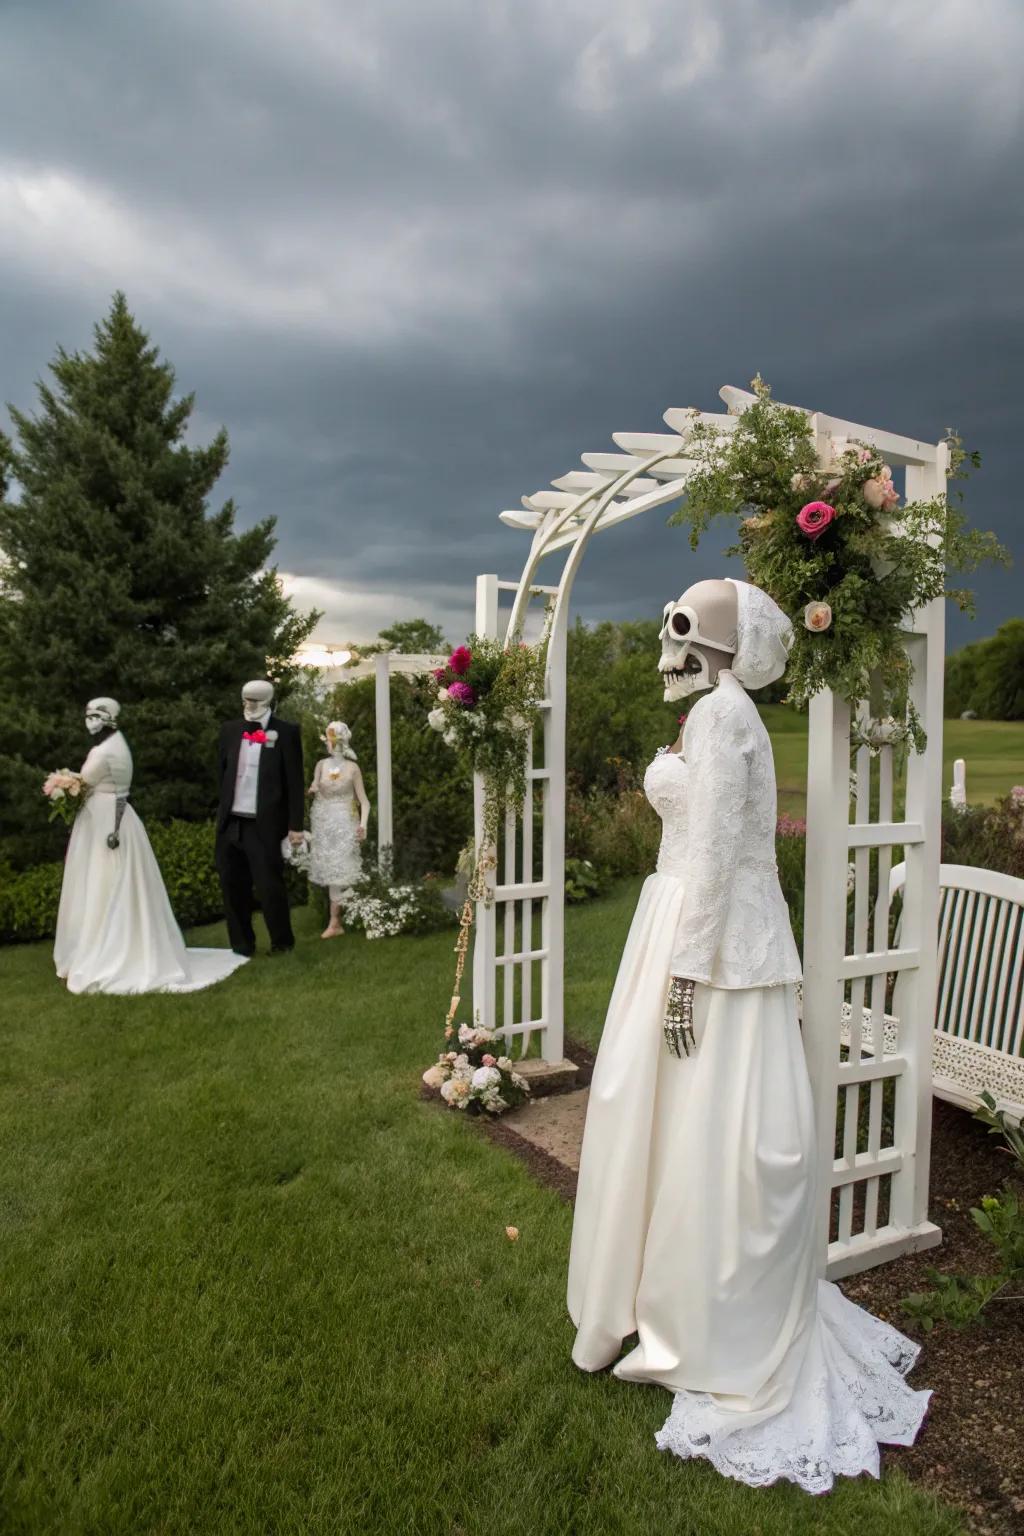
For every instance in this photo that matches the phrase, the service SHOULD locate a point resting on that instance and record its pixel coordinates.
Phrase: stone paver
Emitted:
(554, 1124)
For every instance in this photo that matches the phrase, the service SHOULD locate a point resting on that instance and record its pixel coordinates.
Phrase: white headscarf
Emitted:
(763, 637)
(342, 736)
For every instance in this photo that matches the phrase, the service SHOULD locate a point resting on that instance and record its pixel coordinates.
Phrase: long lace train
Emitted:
(849, 1397)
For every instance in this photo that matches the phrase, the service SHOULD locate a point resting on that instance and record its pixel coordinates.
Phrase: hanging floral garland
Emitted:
(487, 704)
(829, 539)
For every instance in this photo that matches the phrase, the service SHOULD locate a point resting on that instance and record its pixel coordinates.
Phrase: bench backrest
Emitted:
(981, 955)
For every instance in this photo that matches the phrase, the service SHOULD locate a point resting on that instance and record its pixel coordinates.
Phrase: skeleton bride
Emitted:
(693, 1227)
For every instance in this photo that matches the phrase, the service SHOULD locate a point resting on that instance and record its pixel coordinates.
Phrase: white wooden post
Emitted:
(385, 829)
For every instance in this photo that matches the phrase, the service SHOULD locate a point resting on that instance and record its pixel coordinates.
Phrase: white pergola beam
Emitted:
(617, 464)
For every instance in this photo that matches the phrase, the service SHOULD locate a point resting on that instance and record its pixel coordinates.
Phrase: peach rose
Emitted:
(817, 616)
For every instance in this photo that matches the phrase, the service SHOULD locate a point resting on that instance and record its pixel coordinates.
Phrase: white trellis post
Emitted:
(889, 1061)
(381, 668)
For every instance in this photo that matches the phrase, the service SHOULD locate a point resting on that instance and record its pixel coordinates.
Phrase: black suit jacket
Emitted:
(280, 799)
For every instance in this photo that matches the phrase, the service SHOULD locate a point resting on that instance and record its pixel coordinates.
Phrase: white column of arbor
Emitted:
(873, 1189)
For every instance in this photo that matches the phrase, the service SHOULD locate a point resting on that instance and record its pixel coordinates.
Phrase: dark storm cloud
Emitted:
(418, 257)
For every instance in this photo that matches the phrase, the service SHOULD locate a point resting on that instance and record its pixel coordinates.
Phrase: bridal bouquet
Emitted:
(65, 791)
(473, 1078)
(829, 539)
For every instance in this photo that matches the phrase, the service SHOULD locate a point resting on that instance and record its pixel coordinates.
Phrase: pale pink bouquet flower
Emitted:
(63, 789)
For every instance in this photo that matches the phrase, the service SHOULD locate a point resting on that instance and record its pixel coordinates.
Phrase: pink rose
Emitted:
(440, 674)
(815, 518)
(817, 616)
(460, 660)
(490, 1061)
(462, 693)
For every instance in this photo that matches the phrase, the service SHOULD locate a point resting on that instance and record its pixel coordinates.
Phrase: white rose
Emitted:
(486, 1077)
(442, 694)
(436, 719)
(504, 1062)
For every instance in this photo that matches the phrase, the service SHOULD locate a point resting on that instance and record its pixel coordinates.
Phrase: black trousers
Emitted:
(247, 860)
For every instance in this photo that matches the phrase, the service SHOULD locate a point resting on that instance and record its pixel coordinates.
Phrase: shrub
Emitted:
(582, 881)
(184, 850)
(987, 836)
(381, 906)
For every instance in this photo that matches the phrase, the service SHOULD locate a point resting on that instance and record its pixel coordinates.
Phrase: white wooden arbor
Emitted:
(873, 1111)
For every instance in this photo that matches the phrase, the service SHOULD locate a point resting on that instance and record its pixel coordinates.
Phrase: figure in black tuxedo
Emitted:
(261, 802)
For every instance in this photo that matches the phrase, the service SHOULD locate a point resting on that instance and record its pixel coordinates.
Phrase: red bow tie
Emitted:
(258, 736)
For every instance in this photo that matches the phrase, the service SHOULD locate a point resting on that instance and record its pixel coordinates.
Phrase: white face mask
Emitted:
(94, 723)
(256, 705)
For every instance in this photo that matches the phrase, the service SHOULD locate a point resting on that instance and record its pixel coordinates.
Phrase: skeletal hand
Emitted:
(679, 1036)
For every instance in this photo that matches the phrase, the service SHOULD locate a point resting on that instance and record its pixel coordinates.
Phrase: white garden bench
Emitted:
(978, 1041)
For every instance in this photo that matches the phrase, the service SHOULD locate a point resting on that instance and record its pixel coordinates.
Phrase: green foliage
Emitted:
(410, 637)
(958, 1299)
(871, 566)
(986, 836)
(988, 676)
(120, 580)
(615, 709)
(582, 881)
(184, 850)
(28, 902)
(961, 1299)
(618, 833)
(999, 1124)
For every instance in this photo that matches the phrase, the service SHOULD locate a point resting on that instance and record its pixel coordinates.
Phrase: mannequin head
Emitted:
(698, 638)
(257, 698)
(101, 715)
(337, 736)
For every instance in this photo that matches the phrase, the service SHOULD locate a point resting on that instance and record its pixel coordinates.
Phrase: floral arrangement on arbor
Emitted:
(487, 698)
(65, 792)
(472, 1076)
(830, 540)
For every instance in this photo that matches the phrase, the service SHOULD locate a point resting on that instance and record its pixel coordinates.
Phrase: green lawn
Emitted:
(250, 1283)
(992, 749)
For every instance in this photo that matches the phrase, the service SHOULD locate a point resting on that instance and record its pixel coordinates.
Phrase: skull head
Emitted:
(101, 715)
(698, 638)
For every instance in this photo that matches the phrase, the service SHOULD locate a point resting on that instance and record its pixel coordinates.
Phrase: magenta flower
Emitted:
(462, 693)
(460, 660)
(440, 673)
(815, 518)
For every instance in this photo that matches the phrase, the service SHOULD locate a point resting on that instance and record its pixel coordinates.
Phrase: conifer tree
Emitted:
(116, 577)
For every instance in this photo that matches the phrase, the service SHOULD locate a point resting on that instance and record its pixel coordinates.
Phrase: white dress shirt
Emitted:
(248, 775)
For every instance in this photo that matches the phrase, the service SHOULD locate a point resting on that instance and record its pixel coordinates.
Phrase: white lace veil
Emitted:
(763, 637)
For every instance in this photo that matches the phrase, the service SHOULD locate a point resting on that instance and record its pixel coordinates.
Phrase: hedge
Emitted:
(184, 850)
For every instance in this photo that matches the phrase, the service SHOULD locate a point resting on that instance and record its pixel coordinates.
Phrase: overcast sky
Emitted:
(418, 255)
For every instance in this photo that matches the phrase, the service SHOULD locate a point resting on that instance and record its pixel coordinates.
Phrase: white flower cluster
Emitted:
(384, 917)
(485, 1086)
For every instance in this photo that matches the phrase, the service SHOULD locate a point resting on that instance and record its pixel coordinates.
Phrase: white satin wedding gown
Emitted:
(693, 1225)
(116, 931)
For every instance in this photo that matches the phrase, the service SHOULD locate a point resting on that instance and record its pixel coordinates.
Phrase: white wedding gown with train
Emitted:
(694, 1225)
(116, 931)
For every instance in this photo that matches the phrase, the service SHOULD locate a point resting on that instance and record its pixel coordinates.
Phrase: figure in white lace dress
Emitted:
(338, 822)
(116, 931)
(693, 1225)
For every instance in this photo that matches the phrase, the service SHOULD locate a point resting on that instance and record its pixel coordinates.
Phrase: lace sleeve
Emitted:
(718, 749)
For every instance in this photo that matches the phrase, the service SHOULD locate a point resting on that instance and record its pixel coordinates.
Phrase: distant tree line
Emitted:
(987, 678)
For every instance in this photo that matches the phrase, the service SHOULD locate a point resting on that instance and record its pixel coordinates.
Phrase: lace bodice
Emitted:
(717, 804)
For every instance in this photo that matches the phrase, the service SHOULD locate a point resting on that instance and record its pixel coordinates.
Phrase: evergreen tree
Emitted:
(117, 578)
